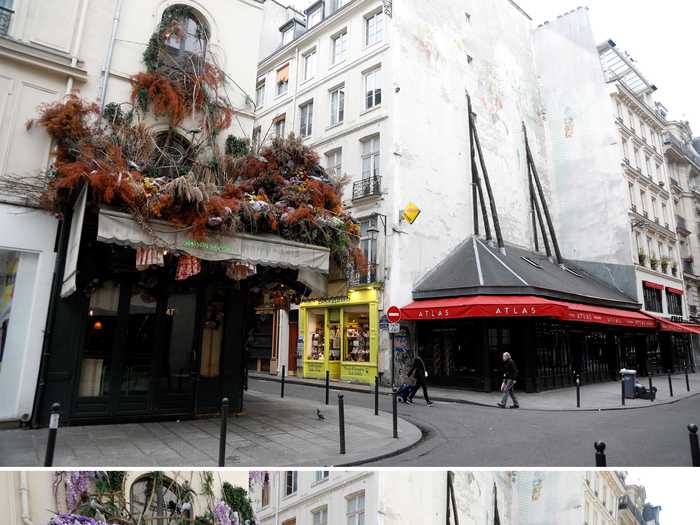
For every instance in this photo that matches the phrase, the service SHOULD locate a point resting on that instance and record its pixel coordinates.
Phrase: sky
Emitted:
(675, 489)
(661, 35)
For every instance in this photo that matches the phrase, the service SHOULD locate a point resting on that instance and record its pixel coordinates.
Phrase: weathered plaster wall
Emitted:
(432, 145)
(477, 494)
(550, 498)
(590, 191)
(411, 497)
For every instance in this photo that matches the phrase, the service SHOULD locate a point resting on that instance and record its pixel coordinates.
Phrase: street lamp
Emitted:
(373, 233)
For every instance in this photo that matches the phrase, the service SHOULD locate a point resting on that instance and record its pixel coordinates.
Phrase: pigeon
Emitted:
(319, 415)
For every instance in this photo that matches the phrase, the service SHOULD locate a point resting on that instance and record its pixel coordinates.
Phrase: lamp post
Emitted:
(373, 232)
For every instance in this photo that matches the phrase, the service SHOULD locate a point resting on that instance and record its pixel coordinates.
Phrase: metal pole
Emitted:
(670, 384)
(578, 391)
(282, 382)
(600, 459)
(622, 388)
(694, 445)
(393, 372)
(341, 422)
(687, 379)
(376, 395)
(475, 206)
(54, 419)
(394, 415)
(651, 384)
(328, 384)
(487, 182)
(224, 432)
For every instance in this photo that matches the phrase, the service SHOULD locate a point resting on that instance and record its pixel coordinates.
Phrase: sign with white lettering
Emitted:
(394, 328)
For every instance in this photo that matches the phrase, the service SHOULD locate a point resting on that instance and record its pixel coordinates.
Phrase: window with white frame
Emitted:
(370, 157)
(260, 94)
(306, 112)
(368, 244)
(320, 516)
(654, 211)
(339, 47)
(279, 125)
(356, 509)
(290, 482)
(337, 105)
(648, 165)
(309, 64)
(631, 116)
(630, 187)
(625, 149)
(374, 28)
(664, 211)
(287, 36)
(334, 162)
(283, 80)
(314, 18)
(643, 200)
(321, 475)
(337, 4)
(373, 88)
(642, 130)
(637, 162)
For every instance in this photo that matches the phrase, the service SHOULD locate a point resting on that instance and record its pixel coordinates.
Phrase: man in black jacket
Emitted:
(510, 376)
(419, 369)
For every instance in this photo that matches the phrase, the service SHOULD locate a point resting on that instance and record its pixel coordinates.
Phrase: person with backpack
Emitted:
(421, 376)
(510, 377)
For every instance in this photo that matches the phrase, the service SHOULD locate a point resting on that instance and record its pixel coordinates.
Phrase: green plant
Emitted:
(237, 147)
(642, 256)
(237, 499)
(653, 261)
(664, 262)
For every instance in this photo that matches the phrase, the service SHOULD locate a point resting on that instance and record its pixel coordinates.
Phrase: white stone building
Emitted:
(48, 53)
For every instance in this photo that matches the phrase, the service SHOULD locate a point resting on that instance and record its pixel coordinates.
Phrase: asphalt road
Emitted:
(459, 435)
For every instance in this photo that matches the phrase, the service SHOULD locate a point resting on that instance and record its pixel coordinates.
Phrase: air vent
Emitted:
(530, 262)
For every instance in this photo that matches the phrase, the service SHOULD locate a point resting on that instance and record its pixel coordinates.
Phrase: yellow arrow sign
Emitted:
(411, 213)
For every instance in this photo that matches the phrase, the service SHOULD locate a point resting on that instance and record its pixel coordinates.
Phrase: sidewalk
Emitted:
(272, 432)
(598, 396)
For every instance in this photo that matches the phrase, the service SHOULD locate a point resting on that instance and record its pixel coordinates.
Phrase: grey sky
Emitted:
(660, 34)
(675, 489)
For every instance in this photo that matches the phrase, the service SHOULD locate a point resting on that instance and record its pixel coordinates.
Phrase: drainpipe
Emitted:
(78, 41)
(24, 498)
(108, 59)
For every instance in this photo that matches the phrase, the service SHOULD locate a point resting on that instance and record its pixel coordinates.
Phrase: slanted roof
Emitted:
(477, 268)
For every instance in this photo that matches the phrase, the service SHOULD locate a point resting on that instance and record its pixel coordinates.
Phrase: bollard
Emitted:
(687, 379)
(54, 419)
(282, 382)
(224, 432)
(578, 391)
(245, 378)
(694, 445)
(670, 384)
(651, 388)
(600, 459)
(341, 422)
(622, 389)
(394, 415)
(376, 395)
(328, 384)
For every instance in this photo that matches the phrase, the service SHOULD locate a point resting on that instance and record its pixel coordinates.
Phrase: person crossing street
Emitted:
(510, 377)
(421, 376)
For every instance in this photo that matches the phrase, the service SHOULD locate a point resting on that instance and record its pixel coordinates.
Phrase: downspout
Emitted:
(78, 42)
(24, 498)
(110, 51)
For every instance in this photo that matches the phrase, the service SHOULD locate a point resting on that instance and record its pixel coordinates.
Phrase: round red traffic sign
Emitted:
(393, 314)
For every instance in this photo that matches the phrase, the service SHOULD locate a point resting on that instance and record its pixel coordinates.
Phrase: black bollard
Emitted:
(54, 420)
(694, 445)
(341, 422)
(245, 378)
(651, 388)
(578, 391)
(328, 384)
(395, 416)
(224, 432)
(282, 382)
(687, 379)
(376, 395)
(622, 389)
(600, 459)
(670, 384)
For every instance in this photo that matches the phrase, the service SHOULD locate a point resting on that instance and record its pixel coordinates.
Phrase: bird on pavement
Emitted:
(319, 415)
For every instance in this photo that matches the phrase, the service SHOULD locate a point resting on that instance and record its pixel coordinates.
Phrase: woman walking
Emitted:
(421, 376)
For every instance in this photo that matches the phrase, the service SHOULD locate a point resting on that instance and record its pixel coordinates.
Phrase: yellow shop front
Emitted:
(341, 335)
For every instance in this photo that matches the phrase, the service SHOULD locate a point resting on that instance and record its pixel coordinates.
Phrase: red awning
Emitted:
(692, 327)
(522, 306)
(675, 291)
(650, 284)
(665, 325)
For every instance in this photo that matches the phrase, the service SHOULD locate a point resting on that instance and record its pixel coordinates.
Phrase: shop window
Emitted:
(96, 363)
(138, 352)
(316, 328)
(334, 335)
(652, 299)
(9, 263)
(675, 303)
(290, 482)
(356, 509)
(212, 334)
(155, 498)
(356, 334)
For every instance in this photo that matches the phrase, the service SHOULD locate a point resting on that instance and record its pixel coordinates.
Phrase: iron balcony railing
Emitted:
(626, 503)
(369, 187)
(365, 274)
(5, 18)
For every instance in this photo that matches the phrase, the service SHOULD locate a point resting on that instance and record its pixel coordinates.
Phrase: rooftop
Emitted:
(619, 66)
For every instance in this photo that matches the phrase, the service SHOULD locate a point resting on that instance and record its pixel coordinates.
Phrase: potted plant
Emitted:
(653, 262)
(674, 269)
(642, 256)
(664, 263)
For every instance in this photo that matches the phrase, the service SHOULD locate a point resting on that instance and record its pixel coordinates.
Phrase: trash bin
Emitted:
(629, 379)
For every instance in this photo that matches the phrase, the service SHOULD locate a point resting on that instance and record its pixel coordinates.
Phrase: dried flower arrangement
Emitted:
(282, 189)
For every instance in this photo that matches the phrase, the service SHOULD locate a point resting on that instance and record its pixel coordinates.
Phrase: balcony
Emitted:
(364, 188)
(366, 274)
(688, 267)
(626, 504)
(5, 18)
(682, 225)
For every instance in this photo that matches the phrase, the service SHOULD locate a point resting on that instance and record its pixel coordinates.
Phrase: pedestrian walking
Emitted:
(510, 377)
(421, 375)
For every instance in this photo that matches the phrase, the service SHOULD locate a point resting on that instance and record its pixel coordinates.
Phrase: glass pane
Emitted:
(176, 368)
(334, 335)
(357, 334)
(9, 263)
(138, 353)
(96, 364)
(315, 344)
(212, 334)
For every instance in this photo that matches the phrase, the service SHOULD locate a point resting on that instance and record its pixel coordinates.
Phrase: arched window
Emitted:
(186, 37)
(155, 498)
(173, 155)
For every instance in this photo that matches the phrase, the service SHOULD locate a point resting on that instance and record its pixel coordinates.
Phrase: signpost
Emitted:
(393, 315)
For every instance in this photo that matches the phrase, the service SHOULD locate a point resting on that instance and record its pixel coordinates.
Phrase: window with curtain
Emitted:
(334, 162)
(337, 106)
(283, 80)
(290, 482)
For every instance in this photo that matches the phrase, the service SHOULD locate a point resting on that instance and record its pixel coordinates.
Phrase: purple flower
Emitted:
(223, 513)
(77, 483)
(74, 519)
(256, 477)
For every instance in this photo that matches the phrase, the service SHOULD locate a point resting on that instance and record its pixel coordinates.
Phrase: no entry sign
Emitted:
(393, 314)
